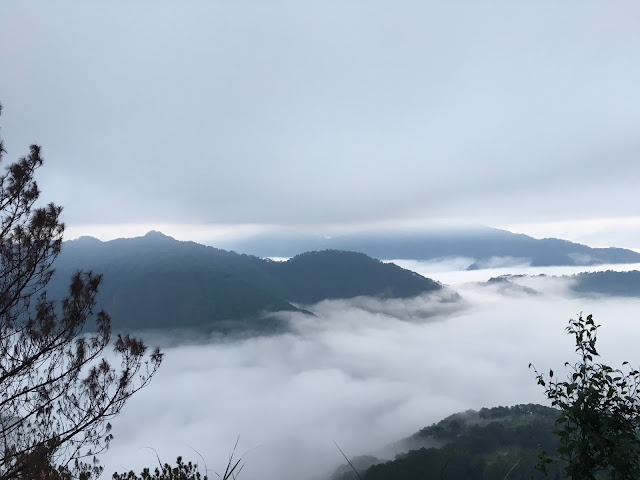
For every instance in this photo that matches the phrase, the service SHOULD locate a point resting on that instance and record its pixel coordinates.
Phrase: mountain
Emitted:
(156, 281)
(610, 283)
(620, 284)
(482, 244)
(501, 442)
(505, 286)
(315, 276)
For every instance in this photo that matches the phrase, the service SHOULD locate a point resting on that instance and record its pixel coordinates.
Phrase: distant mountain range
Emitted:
(156, 281)
(482, 244)
(609, 283)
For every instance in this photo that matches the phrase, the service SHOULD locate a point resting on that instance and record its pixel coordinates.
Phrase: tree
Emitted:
(182, 471)
(58, 392)
(599, 421)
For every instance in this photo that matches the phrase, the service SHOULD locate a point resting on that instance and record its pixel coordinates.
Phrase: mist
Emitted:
(362, 373)
(451, 271)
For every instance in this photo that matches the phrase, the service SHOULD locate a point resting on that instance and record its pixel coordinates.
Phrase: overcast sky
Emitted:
(189, 116)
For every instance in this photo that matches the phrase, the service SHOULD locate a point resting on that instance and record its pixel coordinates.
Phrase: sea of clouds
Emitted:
(363, 373)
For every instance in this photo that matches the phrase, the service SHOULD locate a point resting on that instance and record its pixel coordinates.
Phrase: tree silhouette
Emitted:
(599, 420)
(57, 389)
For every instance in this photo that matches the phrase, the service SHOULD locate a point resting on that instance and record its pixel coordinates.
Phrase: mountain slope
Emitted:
(493, 443)
(314, 276)
(156, 281)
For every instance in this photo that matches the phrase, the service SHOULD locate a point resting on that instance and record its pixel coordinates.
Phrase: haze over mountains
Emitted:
(482, 244)
(605, 283)
(158, 282)
(375, 346)
(385, 352)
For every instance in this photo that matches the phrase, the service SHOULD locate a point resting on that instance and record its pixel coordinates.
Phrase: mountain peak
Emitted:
(86, 239)
(156, 234)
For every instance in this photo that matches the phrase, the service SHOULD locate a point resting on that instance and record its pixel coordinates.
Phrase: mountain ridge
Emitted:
(156, 281)
(608, 283)
(482, 244)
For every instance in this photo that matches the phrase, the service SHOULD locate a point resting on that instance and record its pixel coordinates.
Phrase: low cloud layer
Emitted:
(354, 374)
(451, 271)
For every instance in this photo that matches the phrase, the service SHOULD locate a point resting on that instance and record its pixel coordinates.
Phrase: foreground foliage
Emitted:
(187, 471)
(182, 471)
(599, 412)
(57, 390)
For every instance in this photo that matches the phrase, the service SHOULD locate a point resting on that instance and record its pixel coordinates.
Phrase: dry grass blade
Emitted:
(443, 468)
(157, 456)
(514, 466)
(233, 469)
(348, 461)
(203, 460)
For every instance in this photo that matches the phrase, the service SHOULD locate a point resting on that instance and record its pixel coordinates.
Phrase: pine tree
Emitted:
(58, 392)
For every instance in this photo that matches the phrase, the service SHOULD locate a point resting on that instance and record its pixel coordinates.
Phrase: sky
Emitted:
(206, 119)
(210, 118)
(363, 373)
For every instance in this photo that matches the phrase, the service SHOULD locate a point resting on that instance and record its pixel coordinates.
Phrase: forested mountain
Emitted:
(505, 286)
(610, 283)
(621, 284)
(156, 281)
(314, 276)
(485, 444)
(483, 244)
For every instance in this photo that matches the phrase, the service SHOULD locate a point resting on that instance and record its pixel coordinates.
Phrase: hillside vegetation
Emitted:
(473, 445)
(156, 281)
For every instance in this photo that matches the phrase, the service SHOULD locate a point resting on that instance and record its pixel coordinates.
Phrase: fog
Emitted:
(451, 271)
(362, 373)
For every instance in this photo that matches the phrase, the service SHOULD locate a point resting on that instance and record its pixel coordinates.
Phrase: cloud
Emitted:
(451, 271)
(328, 113)
(595, 232)
(355, 374)
(439, 265)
